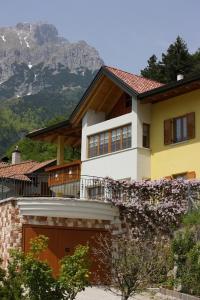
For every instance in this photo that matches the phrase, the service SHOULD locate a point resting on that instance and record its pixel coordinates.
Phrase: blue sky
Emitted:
(125, 32)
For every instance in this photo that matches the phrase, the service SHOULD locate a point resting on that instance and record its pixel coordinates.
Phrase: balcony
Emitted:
(53, 185)
(64, 174)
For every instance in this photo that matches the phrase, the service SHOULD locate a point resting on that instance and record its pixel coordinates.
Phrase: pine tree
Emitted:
(154, 70)
(177, 60)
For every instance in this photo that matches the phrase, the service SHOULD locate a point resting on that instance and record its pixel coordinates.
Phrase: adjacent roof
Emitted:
(21, 170)
(138, 83)
(171, 90)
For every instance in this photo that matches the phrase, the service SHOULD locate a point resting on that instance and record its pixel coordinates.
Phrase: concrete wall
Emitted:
(131, 163)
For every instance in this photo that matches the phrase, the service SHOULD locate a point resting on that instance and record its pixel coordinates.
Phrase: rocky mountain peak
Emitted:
(40, 44)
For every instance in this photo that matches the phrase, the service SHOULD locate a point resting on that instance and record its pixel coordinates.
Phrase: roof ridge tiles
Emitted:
(133, 74)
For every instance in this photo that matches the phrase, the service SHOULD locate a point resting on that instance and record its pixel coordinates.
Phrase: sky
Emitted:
(125, 32)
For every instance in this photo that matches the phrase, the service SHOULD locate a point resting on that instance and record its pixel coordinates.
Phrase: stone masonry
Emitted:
(11, 226)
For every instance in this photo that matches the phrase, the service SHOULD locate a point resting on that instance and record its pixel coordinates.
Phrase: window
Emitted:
(179, 129)
(180, 176)
(126, 137)
(93, 145)
(116, 140)
(146, 136)
(109, 141)
(103, 143)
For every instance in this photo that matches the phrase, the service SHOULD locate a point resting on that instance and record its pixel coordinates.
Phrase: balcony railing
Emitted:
(64, 174)
(42, 185)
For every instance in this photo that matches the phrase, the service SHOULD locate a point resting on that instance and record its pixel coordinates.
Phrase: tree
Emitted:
(131, 265)
(154, 70)
(29, 278)
(176, 60)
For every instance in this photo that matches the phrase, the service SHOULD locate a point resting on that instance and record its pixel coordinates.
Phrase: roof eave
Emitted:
(168, 87)
(103, 71)
(48, 129)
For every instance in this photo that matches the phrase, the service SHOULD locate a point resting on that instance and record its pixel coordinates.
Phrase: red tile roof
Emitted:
(137, 83)
(3, 164)
(21, 170)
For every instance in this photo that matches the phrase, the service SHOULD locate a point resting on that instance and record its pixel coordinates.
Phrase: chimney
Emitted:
(16, 156)
(180, 77)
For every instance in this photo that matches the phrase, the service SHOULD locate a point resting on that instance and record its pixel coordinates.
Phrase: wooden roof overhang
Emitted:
(72, 134)
(170, 90)
(102, 95)
(64, 166)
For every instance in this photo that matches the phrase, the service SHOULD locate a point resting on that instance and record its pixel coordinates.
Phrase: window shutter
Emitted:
(168, 132)
(191, 125)
(168, 177)
(191, 175)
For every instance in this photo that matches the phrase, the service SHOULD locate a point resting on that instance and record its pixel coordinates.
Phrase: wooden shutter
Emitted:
(168, 132)
(191, 125)
(168, 177)
(191, 175)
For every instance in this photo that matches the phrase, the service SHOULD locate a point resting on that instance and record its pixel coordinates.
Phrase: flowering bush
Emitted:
(151, 206)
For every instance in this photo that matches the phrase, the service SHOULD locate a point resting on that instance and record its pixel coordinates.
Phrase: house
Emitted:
(128, 127)
(126, 120)
(23, 178)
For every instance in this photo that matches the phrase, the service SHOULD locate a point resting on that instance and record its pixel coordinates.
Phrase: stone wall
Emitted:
(11, 224)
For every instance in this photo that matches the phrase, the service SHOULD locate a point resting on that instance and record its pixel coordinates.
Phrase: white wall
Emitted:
(118, 165)
(131, 163)
(144, 155)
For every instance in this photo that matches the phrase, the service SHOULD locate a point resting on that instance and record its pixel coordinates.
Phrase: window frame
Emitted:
(148, 135)
(119, 141)
(175, 130)
(170, 129)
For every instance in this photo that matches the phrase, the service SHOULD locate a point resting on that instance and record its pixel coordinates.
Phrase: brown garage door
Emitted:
(62, 241)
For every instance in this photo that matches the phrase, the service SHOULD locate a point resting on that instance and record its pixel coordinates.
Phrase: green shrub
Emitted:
(29, 278)
(186, 251)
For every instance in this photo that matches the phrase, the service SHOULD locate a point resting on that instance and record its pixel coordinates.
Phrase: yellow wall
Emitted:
(180, 157)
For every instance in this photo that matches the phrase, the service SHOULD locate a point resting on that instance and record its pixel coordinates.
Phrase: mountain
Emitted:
(42, 76)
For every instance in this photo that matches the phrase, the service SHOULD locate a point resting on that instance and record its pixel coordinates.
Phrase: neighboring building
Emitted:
(130, 127)
(24, 178)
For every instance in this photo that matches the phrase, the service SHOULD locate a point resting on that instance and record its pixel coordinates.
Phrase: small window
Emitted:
(126, 137)
(146, 136)
(93, 146)
(116, 140)
(180, 176)
(103, 143)
(179, 129)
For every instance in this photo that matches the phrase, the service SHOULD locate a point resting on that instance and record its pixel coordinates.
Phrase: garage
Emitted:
(62, 241)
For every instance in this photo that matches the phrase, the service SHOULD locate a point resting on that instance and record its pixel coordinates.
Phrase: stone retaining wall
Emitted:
(176, 295)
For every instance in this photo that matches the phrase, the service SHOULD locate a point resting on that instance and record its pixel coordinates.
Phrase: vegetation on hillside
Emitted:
(53, 104)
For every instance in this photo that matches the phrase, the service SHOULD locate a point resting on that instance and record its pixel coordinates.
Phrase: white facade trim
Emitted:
(67, 208)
